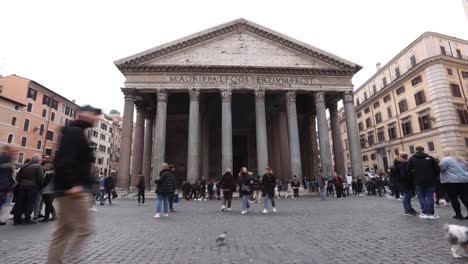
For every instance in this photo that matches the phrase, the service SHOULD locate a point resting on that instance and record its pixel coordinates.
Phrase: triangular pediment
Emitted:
(238, 43)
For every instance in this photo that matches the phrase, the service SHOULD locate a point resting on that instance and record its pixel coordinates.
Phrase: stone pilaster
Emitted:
(226, 130)
(294, 147)
(123, 178)
(148, 145)
(260, 119)
(353, 135)
(193, 157)
(338, 150)
(159, 142)
(324, 140)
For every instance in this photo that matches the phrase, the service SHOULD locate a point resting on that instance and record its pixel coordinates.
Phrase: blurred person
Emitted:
(295, 184)
(7, 172)
(72, 180)
(245, 187)
(48, 193)
(211, 189)
(165, 186)
(268, 190)
(227, 184)
(141, 189)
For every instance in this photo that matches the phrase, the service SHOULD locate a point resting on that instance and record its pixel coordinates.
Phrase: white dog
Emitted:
(458, 238)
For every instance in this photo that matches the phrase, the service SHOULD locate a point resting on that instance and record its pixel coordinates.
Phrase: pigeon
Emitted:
(220, 241)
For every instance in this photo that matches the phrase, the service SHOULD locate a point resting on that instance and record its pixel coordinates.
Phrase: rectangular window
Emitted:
(39, 144)
(52, 116)
(103, 137)
(44, 113)
(46, 100)
(24, 141)
(424, 122)
(416, 80)
(26, 125)
(378, 118)
(465, 75)
(411, 149)
(360, 126)
(103, 126)
(384, 81)
(381, 135)
(95, 133)
(459, 54)
(449, 72)
(396, 151)
(54, 104)
(392, 132)
(442, 50)
(368, 123)
(67, 110)
(386, 98)
(364, 158)
(50, 135)
(430, 146)
(403, 106)
(365, 96)
(376, 105)
(397, 72)
(357, 102)
(366, 110)
(406, 127)
(413, 61)
(400, 90)
(48, 152)
(32, 93)
(370, 139)
(41, 130)
(455, 90)
(29, 108)
(61, 120)
(462, 116)
(419, 98)
(20, 157)
(389, 112)
(374, 89)
(358, 115)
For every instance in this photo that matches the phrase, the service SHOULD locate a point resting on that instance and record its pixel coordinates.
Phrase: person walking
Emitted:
(245, 187)
(424, 170)
(322, 186)
(227, 184)
(165, 186)
(211, 189)
(72, 178)
(108, 188)
(394, 176)
(48, 194)
(30, 179)
(404, 183)
(203, 190)
(141, 189)
(338, 182)
(454, 179)
(295, 184)
(359, 186)
(268, 190)
(257, 186)
(6, 175)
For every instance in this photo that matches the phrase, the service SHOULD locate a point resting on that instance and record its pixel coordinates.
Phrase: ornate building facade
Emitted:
(235, 95)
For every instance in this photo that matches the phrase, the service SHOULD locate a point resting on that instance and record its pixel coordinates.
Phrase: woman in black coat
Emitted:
(245, 182)
(228, 185)
(268, 189)
(165, 186)
(141, 189)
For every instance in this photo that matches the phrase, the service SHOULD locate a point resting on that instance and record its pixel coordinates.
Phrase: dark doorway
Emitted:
(240, 153)
(385, 164)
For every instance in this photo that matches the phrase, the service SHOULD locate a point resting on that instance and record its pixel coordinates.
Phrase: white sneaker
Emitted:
(143, 204)
(223, 207)
(229, 209)
(93, 209)
(265, 211)
(244, 212)
(274, 210)
(166, 215)
(433, 217)
(423, 216)
(157, 215)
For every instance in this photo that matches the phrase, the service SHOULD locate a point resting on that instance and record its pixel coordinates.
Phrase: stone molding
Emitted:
(260, 95)
(194, 95)
(348, 97)
(319, 97)
(291, 96)
(226, 95)
(129, 93)
(162, 95)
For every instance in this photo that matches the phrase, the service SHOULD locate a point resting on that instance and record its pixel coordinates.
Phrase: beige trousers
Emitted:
(73, 226)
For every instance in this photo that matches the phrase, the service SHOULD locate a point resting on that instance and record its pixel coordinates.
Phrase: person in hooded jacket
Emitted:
(165, 186)
(268, 190)
(424, 171)
(227, 183)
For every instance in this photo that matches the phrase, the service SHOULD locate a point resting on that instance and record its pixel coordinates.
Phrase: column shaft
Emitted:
(294, 147)
(260, 118)
(226, 131)
(338, 150)
(193, 157)
(148, 147)
(137, 153)
(315, 160)
(159, 142)
(123, 179)
(324, 140)
(353, 135)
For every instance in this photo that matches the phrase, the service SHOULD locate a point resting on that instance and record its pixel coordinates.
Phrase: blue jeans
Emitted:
(426, 199)
(245, 201)
(162, 197)
(407, 202)
(265, 201)
(101, 196)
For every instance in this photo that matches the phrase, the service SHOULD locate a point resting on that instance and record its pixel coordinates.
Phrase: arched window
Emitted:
(13, 121)
(10, 139)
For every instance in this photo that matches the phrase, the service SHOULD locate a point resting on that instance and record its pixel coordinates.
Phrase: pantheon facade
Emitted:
(236, 95)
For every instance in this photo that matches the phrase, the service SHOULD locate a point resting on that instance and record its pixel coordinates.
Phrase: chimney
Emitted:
(378, 66)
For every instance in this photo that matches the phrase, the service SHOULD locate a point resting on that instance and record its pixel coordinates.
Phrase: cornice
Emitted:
(234, 70)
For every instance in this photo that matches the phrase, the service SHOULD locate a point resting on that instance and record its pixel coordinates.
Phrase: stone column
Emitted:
(137, 152)
(159, 142)
(315, 159)
(226, 131)
(324, 140)
(338, 150)
(260, 119)
(148, 145)
(353, 135)
(193, 157)
(294, 147)
(123, 179)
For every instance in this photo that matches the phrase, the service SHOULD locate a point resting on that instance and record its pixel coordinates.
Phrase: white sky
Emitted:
(70, 47)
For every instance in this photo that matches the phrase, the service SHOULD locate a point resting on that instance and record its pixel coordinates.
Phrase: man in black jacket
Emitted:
(423, 170)
(72, 182)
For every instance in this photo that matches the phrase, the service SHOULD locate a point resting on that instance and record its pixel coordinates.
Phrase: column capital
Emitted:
(162, 95)
(150, 113)
(291, 96)
(194, 95)
(348, 97)
(129, 93)
(226, 95)
(319, 97)
(259, 95)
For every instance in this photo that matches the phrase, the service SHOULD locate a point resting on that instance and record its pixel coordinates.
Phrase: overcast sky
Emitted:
(70, 47)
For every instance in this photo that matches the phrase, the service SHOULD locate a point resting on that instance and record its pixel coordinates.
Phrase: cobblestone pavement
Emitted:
(353, 230)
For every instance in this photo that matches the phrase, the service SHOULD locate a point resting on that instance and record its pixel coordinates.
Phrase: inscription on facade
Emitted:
(235, 79)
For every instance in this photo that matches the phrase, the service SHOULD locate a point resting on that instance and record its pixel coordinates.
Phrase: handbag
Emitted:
(114, 194)
(176, 198)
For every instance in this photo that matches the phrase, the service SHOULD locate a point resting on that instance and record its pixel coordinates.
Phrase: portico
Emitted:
(235, 95)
